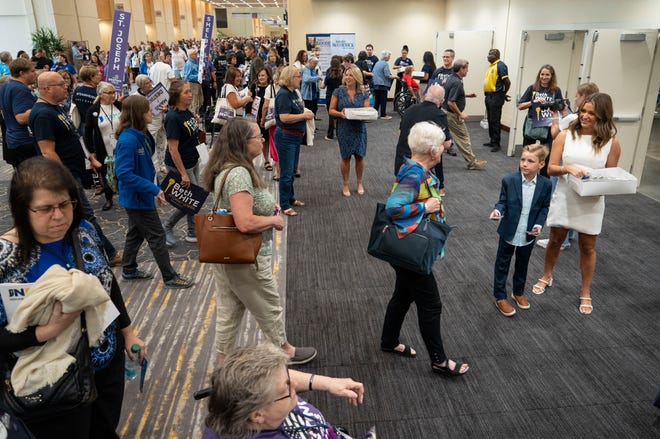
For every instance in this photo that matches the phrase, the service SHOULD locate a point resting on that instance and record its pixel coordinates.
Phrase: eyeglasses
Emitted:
(64, 206)
(288, 383)
(297, 76)
(260, 136)
(109, 92)
(61, 84)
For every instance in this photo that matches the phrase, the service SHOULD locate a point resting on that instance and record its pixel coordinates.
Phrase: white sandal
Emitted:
(587, 306)
(540, 289)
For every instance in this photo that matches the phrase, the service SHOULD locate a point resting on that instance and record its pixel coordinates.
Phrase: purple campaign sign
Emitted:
(114, 70)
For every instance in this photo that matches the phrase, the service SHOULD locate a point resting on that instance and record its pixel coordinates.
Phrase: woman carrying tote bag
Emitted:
(411, 199)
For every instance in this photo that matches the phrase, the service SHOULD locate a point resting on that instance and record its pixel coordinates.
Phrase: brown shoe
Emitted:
(115, 261)
(477, 164)
(505, 307)
(521, 301)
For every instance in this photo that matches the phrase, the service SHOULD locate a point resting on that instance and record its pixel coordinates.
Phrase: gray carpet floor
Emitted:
(547, 372)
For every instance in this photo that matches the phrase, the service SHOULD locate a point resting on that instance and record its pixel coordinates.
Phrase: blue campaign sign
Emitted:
(189, 199)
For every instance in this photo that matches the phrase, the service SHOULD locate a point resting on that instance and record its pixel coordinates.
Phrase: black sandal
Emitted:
(407, 351)
(445, 370)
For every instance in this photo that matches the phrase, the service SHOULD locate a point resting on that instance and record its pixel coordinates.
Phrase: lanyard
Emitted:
(112, 126)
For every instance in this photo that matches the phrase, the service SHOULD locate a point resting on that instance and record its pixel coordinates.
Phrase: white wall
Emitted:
(17, 23)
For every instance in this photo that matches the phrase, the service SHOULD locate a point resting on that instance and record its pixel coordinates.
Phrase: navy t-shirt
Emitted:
(531, 95)
(183, 126)
(16, 98)
(288, 102)
(51, 122)
(83, 96)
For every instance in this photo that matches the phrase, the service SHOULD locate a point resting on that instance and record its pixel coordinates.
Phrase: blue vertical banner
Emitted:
(207, 35)
(115, 69)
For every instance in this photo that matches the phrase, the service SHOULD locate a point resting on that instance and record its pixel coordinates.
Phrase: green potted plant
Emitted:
(46, 38)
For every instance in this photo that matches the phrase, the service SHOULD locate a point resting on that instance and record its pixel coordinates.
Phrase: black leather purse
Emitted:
(74, 389)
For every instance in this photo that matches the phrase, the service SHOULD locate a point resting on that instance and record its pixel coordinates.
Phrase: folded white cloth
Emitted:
(39, 366)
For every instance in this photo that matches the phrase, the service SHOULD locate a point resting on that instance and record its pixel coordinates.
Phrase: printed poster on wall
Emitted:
(325, 46)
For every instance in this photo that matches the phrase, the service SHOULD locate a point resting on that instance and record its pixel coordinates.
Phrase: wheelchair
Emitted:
(404, 99)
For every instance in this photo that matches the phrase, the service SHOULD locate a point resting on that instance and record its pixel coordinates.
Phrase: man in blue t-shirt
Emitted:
(16, 101)
(58, 140)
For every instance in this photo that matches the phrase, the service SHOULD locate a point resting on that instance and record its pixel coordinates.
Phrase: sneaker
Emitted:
(136, 275)
(505, 307)
(565, 246)
(190, 239)
(179, 282)
(303, 355)
(386, 117)
(115, 261)
(477, 164)
(542, 243)
(452, 151)
(170, 239)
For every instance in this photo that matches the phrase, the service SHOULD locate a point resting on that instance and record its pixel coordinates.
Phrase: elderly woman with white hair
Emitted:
(382, 82)
(156, 127)
(255, 395)
(101, 121)
(415, 195)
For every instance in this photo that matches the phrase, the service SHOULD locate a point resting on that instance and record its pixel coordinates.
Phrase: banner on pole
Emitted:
(115, 69)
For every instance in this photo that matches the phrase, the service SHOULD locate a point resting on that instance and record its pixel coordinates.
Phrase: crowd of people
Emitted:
(64, 120)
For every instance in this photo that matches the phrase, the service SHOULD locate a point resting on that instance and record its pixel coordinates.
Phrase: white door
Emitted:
(622, 69)
(472, 46)
(563, 51)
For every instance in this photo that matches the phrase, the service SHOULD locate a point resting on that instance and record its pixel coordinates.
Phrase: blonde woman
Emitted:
(351, 134)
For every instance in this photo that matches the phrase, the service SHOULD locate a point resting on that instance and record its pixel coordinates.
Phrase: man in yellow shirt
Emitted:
(496, 85)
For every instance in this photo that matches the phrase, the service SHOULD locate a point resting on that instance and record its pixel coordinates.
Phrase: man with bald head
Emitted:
(59, 140)
(496, 85)
(429, 110)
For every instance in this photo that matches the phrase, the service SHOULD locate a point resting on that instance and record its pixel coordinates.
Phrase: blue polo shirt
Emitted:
(191, 71)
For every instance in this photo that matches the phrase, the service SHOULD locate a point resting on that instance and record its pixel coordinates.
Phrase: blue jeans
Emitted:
(288, 149)
(88, 214)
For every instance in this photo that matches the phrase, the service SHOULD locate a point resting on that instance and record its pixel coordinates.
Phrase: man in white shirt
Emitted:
(160, 72)
(179, 59)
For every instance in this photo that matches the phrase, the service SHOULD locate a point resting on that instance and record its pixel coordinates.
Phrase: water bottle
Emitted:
(132, 367)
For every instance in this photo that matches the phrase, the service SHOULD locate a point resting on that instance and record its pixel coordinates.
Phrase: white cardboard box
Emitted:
(362, 113)
(605, 181)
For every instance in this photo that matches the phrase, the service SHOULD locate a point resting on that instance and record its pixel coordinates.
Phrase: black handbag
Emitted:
(74, 389)
(417, 251)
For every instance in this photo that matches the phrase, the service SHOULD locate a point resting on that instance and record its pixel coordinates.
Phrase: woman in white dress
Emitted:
(589, 141)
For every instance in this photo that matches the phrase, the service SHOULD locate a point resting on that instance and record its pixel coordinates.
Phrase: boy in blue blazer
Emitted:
(522, 209)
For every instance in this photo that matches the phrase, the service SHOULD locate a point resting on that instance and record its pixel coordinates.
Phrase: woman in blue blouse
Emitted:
(351, 134)
(415, 195)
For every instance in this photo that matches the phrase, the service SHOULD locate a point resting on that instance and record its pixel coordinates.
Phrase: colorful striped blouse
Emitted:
(405, 205)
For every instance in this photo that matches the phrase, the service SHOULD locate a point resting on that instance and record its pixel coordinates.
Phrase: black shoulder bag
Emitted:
(74, 389)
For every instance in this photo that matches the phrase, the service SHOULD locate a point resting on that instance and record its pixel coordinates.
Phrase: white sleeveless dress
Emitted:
(568, 209)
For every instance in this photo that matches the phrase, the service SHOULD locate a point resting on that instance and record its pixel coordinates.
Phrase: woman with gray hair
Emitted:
(101, 121)
(415, 195)
(311, 83)
(254, 395)
(382, 78)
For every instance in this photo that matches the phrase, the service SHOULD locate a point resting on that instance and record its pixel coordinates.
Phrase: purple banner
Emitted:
(207, 35)
(115, 69)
